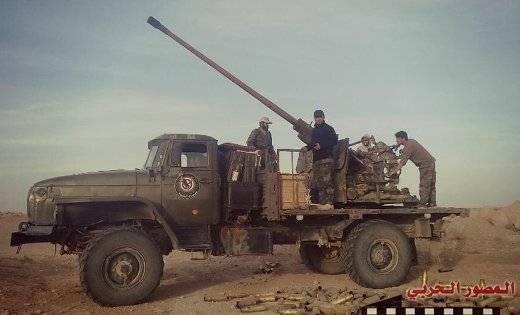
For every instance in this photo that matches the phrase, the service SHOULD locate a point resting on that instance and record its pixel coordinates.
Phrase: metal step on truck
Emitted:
(196, 195)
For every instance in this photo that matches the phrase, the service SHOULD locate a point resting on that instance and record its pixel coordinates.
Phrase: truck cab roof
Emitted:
(183, 136)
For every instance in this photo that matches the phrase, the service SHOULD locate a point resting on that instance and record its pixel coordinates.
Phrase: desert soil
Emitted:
(485, 245)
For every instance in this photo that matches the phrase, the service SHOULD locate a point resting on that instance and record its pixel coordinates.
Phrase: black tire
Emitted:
(323, 259)
(379, 254)
(120, 266)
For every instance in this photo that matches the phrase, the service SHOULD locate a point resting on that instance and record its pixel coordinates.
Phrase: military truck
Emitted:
(196, 195)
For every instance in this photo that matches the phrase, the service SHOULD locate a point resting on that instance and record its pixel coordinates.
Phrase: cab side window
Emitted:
(193, 155)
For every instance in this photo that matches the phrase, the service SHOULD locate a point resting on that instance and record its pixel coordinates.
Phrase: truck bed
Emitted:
(356, 213)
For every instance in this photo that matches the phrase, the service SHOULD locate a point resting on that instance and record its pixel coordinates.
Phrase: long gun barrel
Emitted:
(304, 129)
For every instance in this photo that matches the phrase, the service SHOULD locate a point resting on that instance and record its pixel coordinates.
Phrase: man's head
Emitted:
(319, 117)
(401, 137)
(365, 140)
(264, 123)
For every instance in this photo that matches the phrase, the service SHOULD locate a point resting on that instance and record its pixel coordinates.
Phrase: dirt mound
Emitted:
(480, 232)
(485, 224)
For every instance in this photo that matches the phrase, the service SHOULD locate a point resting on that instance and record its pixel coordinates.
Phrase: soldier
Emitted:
(324, 138)
(367, 142)
(424, 161)
(260, 138)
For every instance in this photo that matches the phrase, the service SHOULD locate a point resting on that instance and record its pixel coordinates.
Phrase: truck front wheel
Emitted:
(120, 266)
(327, 260)
(379, 254)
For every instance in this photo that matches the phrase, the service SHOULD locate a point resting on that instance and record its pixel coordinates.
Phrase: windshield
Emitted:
(151, 156)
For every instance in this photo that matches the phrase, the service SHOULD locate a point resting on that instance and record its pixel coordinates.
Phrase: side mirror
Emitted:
(151, 172)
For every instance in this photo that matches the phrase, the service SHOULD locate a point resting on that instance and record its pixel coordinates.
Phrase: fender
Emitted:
(157, 213)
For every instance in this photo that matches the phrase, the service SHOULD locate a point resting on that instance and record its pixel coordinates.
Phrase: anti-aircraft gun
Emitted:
(351, 186)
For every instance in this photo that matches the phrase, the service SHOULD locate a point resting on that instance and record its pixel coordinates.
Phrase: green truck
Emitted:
(196, 195)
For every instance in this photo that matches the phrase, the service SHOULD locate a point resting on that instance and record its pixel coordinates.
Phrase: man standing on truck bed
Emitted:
(415, 152)
(260, 138)
(324, 138)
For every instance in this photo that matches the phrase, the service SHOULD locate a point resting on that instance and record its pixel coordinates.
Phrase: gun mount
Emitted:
(304, 129)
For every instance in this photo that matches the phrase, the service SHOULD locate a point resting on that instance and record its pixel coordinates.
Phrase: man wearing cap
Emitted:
(416, 153)
(260, 138)
(324, 138)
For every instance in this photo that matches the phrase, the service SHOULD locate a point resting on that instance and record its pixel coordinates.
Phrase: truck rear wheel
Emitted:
(379, 254)
(120, 266)
(327, 260)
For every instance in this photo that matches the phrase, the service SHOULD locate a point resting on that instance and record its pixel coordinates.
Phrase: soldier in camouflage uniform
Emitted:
(416, 153)
(260, 138)
(324, 138)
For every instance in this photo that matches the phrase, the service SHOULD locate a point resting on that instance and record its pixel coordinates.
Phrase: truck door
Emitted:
(191, 192)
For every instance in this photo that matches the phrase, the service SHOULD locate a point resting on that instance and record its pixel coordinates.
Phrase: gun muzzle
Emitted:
(155, 23)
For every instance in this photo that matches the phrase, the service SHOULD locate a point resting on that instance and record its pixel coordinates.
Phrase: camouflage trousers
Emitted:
(323, 180)
(427, 178)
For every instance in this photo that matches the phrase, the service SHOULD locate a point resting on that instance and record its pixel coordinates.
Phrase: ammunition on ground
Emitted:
(369, 294)
(267, 298)
(253, 308)
(289, 304)
(238, 295)
(286, 306)
(295, 297)
(216, 298)
(343, 299)
(327, 309)
(292, 311)
(424, 278)
(247, 302)
(265, 294)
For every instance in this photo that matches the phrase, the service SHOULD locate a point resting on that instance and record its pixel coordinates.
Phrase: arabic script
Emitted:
(455, 288)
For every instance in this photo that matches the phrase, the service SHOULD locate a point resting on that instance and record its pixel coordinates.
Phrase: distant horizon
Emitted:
(85, 85)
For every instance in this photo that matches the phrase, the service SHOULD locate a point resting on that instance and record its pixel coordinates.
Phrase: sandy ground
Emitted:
(485, 245)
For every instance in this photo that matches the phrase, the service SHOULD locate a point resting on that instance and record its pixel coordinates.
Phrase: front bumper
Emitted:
(28, 233)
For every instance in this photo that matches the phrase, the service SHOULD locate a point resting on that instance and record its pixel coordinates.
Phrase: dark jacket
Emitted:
(327, 138)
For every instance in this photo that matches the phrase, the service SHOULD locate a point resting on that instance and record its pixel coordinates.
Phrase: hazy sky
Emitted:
(85, 84)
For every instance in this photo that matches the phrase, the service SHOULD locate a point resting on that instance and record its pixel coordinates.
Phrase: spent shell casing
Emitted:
(215, 298)
(247, 302)
(340, 300)
(267, 298)
(253, 308)
(265, 294)
(295, 297)
(327, 309)
(232, 296)
(292, 311)
(293, 304)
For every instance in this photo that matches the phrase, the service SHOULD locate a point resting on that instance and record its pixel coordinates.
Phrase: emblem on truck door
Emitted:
(187, 185)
